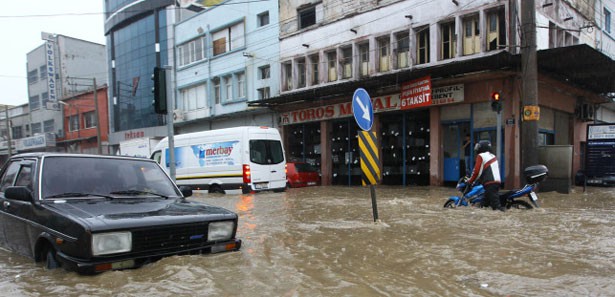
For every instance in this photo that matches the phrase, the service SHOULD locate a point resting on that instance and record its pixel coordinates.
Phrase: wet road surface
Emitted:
(322, 241)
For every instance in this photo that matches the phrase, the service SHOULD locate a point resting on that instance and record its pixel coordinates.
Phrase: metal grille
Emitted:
(169, 238)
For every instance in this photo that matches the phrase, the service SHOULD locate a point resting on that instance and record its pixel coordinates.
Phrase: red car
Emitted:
(300, 174)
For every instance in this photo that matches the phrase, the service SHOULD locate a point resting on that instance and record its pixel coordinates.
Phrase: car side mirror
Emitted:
(18, 193)
(186, 191)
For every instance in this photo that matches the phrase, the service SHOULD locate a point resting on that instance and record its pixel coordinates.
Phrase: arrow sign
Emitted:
(362, 109)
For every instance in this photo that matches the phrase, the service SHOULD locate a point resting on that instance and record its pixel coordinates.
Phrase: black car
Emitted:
(90, 213)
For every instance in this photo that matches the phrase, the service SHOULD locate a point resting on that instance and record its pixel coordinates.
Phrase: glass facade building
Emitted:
(137, 41)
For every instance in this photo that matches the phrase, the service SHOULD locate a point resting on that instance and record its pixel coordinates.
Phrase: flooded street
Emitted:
(322, 241)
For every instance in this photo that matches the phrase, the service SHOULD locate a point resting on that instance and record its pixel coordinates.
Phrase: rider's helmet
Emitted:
(482, 146)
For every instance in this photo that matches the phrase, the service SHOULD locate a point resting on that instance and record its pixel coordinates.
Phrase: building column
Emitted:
(436, 157)
(326, 165)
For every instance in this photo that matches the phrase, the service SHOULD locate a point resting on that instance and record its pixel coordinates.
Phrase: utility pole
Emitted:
(8, 129)
(97, 117)
(529, 129)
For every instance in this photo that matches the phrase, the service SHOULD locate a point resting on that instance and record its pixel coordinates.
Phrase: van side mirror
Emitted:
(18, 193)
(186, 191)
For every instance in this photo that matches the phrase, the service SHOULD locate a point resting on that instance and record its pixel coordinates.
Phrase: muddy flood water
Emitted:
(322, 241)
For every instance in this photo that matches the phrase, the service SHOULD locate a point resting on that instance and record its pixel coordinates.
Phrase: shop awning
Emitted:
(579, 65)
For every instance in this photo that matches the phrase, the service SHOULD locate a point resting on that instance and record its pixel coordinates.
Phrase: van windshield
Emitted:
(266, 151)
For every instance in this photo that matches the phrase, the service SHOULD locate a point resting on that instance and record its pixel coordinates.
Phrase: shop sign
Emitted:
(51, 71)
(531, 113)
(448, 94)
(35, 142)
(416, 93)
(334, 111)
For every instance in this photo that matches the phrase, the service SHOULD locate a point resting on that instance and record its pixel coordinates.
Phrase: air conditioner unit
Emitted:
(178, 115)
(585, 112)
(60, 133)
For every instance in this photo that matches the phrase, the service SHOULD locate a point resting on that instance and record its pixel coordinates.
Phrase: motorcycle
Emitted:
(474, 195)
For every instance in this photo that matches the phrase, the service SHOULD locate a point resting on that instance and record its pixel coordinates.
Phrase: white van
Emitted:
(249, 159)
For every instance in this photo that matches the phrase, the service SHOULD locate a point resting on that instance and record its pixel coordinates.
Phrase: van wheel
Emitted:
(216, 189)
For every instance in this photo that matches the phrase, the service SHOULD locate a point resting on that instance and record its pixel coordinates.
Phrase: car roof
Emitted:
(40, 155)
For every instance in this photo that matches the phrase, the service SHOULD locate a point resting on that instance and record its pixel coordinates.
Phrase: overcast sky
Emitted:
(21, 24)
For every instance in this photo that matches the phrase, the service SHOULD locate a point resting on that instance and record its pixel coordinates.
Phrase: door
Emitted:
(17, 214)
(452, 152)
(455, 161)
(267, 164)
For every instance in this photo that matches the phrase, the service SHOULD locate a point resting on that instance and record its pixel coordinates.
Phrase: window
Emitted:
(471, 35)
(314, 67)
(45, 99)
(347, 62)
(33, 76)
(607, 20)
(73, 123)
(89, 119)
(217, 95)
(34, 102)
(332, 66)
(449, 44)
(263, 19)
(228, 88)
(288, 76)
(43, 72)
(264, 72)
(228, 39)
(422, 46)
(9, 176)
(403, 48)
(264, 93)
(241, 85)
(17, 132)
(191, 51)
(496, 31)
(194, 97)
(24, 178)
(364, 59)
(266, 151)
(48, 126)
(307, 17)
(36, 128)
(383, 54)
(301, 76)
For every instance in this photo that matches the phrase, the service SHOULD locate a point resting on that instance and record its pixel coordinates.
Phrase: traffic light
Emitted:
(496, 104)
(160, 90)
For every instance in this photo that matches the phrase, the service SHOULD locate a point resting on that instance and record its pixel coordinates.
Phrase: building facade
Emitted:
(226, 57)
(139, 37)
(430, 68)
(86, 125)
(61, 67)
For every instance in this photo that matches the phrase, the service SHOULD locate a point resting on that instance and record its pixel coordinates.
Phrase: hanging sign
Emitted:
(416, 93)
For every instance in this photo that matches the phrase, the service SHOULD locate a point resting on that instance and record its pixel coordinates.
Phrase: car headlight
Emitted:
(220, 230)
(111, 243)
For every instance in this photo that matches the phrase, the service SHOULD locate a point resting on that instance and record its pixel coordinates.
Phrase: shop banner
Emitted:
(441, 95)
(416, 93)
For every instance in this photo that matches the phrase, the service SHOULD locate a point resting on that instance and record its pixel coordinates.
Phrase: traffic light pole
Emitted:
(498, 137)
(170, 131)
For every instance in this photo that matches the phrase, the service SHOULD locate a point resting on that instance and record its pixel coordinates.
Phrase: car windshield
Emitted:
(75, 176)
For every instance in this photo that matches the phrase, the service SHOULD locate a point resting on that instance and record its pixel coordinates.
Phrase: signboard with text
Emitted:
(416, 93)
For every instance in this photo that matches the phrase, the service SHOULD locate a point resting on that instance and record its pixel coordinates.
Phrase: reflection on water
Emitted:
(322, 241)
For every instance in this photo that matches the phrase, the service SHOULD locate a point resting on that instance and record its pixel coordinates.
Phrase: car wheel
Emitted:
(50, 259)
(216, 189)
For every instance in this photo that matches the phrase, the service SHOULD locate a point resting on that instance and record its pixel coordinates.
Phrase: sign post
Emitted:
(370, 162)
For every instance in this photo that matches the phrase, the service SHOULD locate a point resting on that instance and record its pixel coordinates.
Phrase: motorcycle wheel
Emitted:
(449, 204)
(519, 204)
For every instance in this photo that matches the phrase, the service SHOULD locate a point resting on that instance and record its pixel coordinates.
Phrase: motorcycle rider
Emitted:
(487, 172)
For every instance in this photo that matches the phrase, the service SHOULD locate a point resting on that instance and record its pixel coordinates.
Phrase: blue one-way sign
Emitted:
(362, 109)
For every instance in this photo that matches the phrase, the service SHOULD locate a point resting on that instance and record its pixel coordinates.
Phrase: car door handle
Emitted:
(273, 171)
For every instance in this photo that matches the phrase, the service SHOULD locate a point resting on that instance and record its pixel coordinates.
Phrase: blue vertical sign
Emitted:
(362, 109)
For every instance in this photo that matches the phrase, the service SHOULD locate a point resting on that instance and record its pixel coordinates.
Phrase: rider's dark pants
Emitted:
(491, 195)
